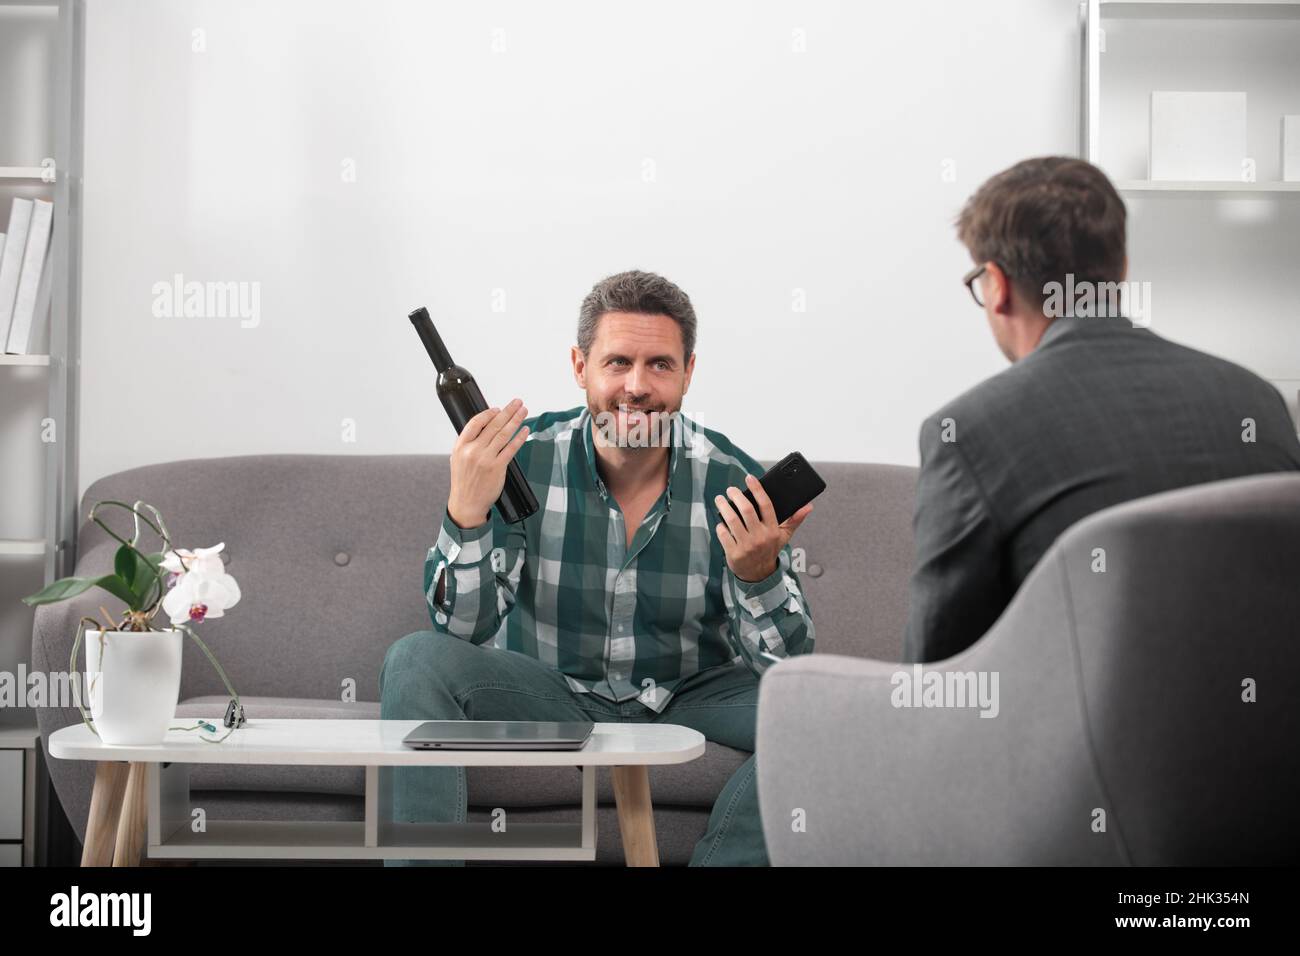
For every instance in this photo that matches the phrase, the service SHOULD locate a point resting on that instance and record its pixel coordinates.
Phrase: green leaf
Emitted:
(59, 590)
(156, 572)
(136, 573)
(145, 579)
(66, 588)
(124, 564)
(114, 586)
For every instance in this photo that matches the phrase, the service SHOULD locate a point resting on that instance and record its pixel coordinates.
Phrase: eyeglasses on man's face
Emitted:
(969, 281)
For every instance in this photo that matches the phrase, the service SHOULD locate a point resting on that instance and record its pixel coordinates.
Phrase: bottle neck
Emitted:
(431, 340)
(437, 351)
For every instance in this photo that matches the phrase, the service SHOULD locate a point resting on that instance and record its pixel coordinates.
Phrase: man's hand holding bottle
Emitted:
(479, 459)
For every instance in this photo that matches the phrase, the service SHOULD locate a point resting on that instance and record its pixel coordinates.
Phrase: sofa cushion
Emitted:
(693, 784)
(328, 587)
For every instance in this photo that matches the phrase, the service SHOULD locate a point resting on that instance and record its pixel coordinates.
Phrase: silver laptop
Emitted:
(500, 735)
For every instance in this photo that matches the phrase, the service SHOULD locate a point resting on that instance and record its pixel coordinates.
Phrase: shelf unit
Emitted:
(28, 172)
(34, 547)
(1228, 188)
(1179, 16)
(57, 178)
(1092, 36)
(20, 771)
(63, 360)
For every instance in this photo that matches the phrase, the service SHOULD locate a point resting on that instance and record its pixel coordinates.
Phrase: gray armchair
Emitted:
(1121, 735)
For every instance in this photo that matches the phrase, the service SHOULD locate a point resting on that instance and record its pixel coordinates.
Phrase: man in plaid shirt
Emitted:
(645, 588)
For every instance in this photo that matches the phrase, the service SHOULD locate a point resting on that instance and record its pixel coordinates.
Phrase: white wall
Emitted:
(522, 170)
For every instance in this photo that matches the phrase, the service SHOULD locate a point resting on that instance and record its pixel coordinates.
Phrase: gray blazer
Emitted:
(1099, 413)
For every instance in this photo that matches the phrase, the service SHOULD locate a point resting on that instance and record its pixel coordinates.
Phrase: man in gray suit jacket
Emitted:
(1095, 410)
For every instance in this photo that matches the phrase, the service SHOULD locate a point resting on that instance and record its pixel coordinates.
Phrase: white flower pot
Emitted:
(133, 683)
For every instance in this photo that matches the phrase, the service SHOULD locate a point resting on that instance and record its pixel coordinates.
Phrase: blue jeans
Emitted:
(433, 676)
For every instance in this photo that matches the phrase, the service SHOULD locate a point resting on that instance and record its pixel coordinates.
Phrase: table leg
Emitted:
(636, 815)
(132, 825)
(105, 809)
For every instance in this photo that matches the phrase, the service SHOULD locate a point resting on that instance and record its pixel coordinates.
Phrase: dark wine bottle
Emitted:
(462, 399)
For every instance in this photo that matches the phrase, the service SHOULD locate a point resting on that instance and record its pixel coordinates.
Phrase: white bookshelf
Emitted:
(1130, 48)
(30, 155)
(56, 178)
(1227, 188)
(1201, 9)
(17, 547)
(28, 172)
(1166, 16)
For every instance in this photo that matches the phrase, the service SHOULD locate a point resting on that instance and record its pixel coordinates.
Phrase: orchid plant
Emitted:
(189, 586)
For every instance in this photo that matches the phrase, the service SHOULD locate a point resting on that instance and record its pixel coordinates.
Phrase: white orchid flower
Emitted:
(204, 560)
(201, 587)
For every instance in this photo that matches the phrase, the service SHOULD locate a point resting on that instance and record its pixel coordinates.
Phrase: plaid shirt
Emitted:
(563, 587)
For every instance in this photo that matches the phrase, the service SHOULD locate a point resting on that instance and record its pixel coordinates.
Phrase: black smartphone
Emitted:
(790, 484)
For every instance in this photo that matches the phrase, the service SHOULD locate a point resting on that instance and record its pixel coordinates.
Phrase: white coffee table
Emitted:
(141, 801)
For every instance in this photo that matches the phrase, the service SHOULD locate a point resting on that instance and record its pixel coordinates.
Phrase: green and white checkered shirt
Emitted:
(563, 587)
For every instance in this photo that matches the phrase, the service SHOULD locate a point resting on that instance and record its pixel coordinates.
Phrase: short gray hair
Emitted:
(643, 293)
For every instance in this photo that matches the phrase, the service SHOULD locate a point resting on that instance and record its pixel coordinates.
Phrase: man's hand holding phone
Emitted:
(752, 541)
(479, 459)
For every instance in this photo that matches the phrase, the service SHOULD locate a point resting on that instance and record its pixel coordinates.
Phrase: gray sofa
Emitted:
(329, 551)
(1119, 691)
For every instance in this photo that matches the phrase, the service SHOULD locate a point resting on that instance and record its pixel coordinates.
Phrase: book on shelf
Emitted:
(11, 261)
(39, 339)
(33, 277)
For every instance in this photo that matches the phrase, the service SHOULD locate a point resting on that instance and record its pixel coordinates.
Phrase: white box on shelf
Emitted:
(1198, 136)
(1291, 148)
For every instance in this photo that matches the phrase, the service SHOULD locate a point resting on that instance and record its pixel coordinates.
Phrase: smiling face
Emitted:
(635, 366)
